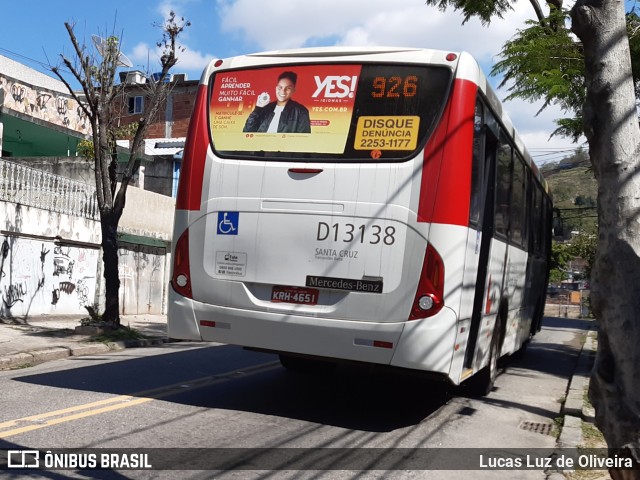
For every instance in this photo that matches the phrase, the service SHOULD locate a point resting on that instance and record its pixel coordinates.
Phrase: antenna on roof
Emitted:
(102, 45)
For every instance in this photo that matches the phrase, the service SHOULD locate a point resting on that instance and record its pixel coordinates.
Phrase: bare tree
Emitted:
(97, 98)
(611, 128)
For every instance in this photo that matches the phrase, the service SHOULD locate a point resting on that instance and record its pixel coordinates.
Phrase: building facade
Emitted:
(50, 260)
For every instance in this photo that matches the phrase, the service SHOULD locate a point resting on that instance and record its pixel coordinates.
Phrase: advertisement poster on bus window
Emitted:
(284, 109)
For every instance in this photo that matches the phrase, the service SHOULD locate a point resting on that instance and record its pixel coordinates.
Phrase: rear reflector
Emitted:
(372, 343)
(213, 324)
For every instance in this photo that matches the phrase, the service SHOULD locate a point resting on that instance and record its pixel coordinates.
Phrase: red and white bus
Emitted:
(362, 204)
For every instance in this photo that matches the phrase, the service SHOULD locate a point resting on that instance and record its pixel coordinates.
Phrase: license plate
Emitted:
(300, 295)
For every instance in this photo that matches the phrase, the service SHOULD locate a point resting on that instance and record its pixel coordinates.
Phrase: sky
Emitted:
(34, 34)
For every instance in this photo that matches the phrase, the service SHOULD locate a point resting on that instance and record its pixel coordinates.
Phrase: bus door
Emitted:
(484, 174)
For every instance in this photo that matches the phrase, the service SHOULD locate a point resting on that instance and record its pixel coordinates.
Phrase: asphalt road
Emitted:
(188, 395)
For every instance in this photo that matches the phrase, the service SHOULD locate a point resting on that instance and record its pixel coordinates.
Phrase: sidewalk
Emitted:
(577, 413)
(48, 338)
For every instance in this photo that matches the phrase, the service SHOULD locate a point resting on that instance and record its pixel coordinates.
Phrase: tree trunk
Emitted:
(110, 261)
(611, 128)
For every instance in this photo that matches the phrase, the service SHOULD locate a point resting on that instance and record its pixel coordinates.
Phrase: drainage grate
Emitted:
(537, 427)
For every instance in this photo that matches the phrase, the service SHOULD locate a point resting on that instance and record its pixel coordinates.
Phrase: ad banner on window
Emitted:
(284, 109)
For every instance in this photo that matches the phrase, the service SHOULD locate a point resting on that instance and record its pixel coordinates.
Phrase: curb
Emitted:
(36, 357)
(573, 409)
(574, 403)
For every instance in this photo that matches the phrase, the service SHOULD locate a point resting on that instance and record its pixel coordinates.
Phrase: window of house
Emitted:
(136, 104)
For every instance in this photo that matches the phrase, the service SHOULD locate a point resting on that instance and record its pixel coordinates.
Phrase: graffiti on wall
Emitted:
(41, 277)
(50, 106)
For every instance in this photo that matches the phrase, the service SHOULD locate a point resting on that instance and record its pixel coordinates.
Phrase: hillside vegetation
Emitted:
(574, 190)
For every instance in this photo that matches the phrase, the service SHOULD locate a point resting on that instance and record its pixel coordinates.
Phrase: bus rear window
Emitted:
(341, 112)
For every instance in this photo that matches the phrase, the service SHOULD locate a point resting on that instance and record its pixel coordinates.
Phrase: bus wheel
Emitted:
(481, 383)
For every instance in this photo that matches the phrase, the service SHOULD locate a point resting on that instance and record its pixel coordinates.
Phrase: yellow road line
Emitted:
(77, 416)
(55, 413)
(47, 419)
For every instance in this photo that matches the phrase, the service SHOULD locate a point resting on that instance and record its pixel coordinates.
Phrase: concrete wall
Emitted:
(144, 235)
(51, 263)
(158, 174)
(148, 214)
(45, 277)
(75, 168)
(48, 262)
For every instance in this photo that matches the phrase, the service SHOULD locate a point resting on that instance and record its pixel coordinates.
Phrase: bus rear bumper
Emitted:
(373, 342)
(428, 344)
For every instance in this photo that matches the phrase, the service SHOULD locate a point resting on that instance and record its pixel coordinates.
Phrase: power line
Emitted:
(43, 65)
(552, 151)
(14, 54)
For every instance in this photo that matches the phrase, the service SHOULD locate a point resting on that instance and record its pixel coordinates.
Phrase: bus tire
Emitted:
(482, 382)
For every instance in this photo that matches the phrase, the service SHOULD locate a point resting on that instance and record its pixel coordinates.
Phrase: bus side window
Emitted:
(526, 211)
(503, 187)
(475, 207)
(535, 220)
(518, 190)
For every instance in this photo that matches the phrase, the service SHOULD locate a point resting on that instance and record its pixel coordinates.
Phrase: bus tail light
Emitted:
(194, 155)
(429, 298)
(181, 278)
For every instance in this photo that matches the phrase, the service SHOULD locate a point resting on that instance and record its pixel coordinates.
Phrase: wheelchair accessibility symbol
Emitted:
(228, 223)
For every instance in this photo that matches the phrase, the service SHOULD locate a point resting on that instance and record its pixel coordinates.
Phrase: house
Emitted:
(165, 137)
(38, 117)
(51, 233)
(41, 124)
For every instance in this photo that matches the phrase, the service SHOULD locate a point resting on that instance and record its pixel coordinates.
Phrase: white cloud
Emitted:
(291, 23)
(282, 24)
(193, 60)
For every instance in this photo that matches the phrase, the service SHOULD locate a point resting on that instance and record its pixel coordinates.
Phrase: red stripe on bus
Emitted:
(194, 156)
(446, 172)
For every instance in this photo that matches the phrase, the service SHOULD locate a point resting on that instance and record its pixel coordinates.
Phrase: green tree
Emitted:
(530, 72)
(99, 90)
(560, 257)
(584, 245)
